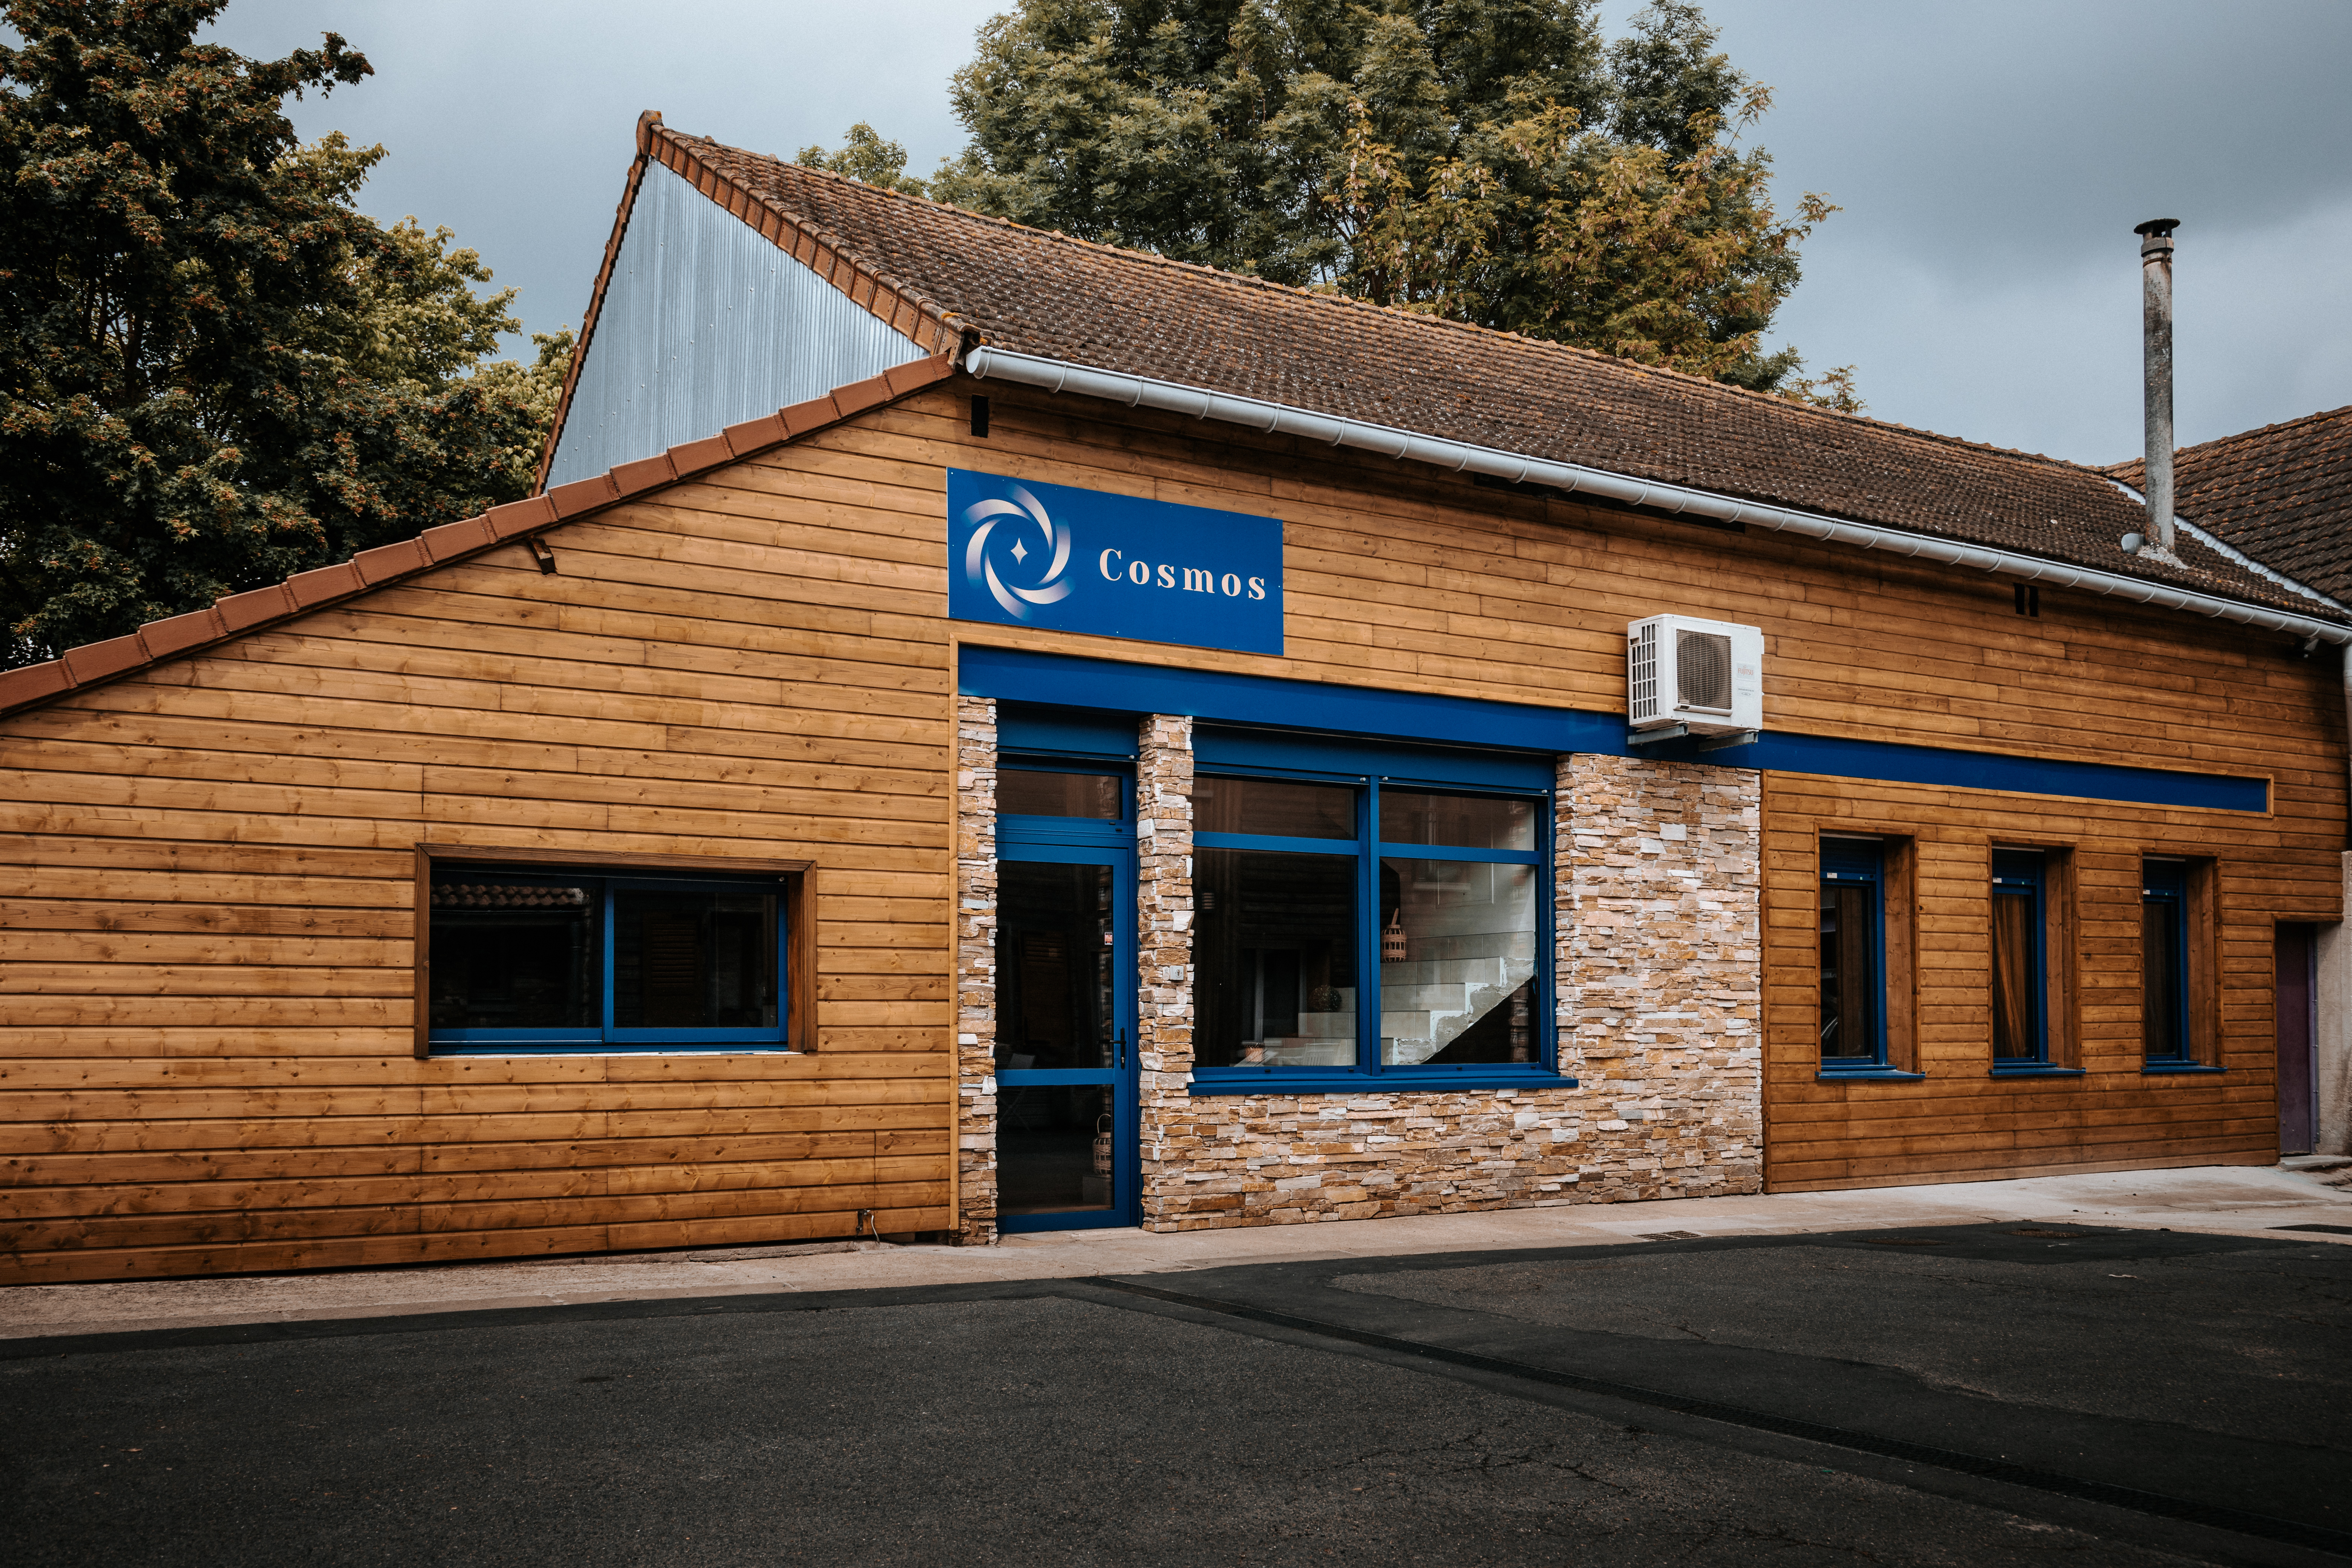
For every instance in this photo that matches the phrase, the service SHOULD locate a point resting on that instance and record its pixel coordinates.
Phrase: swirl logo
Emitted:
(1021, 518)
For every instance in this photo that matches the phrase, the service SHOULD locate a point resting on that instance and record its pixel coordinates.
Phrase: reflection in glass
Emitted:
(1273, 947)
(1273, 807)
(1056, 970)
(2018, 1034)
(2163, 961)
(1467, 821)
(693, 959)
(515, 953)
(1457, 961)
(1031, 792)
(1054, 966)
(1850, 988)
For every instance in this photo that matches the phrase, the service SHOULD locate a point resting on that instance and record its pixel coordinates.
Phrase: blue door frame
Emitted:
(1070, 841)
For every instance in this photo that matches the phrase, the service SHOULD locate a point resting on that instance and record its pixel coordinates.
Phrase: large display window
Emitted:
(1367, 928)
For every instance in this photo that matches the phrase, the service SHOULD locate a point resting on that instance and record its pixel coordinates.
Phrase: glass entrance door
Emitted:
(1064, 1039)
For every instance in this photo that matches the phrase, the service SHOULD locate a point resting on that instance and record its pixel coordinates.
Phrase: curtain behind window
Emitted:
(2012, 978)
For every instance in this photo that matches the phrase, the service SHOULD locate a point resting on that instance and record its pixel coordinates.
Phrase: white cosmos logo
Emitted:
(1053, 543)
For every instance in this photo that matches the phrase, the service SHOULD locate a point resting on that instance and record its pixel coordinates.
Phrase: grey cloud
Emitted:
(1992, 159)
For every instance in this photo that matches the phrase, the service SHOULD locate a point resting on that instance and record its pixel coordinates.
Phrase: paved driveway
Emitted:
(1955, 1394)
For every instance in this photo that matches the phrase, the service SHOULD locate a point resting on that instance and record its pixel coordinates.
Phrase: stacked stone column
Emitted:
(1661, 958)
(975, 969)
(1163, 951)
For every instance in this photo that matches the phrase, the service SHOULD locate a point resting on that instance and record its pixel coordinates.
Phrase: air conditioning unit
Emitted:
(1706, 676)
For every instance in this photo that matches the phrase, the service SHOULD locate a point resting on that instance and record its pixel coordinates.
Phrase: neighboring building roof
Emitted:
(933, 271)
(2283, 494)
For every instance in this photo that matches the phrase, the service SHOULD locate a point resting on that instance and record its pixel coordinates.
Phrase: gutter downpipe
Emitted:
(1135, 391)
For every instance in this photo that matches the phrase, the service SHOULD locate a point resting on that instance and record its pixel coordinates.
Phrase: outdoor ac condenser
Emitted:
(1707, 675)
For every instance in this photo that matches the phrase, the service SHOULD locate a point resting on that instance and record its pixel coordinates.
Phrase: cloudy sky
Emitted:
(1991, 158)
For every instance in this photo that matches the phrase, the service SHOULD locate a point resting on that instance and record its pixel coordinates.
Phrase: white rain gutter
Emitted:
(1135, 391)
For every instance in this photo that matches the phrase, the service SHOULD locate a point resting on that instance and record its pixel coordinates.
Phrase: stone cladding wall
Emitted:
(1658, 892)
(975, 971)
(1163, 961)
(1658, 992)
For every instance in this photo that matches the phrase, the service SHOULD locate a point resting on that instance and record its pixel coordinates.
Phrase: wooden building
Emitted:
(1129, 744)
(2283, 496)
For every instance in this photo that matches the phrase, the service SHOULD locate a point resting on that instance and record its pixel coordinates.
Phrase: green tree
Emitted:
(215, 370)
(864, 156)
(1494, 160)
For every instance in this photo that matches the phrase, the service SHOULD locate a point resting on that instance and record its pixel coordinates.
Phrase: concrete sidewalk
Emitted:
(2220, 1200)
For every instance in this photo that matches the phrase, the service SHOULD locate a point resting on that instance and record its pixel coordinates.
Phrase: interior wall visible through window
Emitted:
(530, 958)
(1367, 927)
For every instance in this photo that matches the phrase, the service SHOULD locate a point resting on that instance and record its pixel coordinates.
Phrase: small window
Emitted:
(1273, 808)
(1852, 953)
(1463, 821)
(1034, 792)
(2021, 984)
(2169, 892)
(533, 959)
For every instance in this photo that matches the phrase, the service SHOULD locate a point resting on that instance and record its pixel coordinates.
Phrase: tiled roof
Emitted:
(1031, 291)
(371, 569)
(2283, 494)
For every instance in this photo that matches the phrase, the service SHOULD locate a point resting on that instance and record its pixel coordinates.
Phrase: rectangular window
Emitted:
(1275, 959)
(2021, 985)
(524, 957)
(1853, 955)
(1365, 928)
(2165, 962)
(1038, 792)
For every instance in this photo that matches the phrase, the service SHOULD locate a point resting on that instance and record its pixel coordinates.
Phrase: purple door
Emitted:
(2297, 1018)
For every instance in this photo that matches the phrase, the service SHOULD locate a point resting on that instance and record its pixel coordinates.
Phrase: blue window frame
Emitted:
(1366, 927)
(1853, 907)
(2021, 962)
(539, 959)
(2164, 959)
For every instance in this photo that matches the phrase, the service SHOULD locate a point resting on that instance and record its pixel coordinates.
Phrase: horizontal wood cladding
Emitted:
(1959, 1122)
(208, 908)
(211, 922)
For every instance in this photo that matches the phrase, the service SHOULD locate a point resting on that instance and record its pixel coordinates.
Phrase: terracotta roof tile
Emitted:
(96, 661)
(240, 612)
(178, 633)
(312, 589)
(452, 540)
(645, 473)
(386, 561)
(32, 683)
(1036, 293)
(769, 429)
(2283, 494)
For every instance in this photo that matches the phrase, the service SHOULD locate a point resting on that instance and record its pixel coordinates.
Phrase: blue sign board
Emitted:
(1021, 554)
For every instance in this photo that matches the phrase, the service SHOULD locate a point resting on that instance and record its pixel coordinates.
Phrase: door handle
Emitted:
(1120, 1037)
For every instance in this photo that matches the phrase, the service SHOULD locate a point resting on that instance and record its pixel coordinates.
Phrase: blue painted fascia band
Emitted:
(1108, 686)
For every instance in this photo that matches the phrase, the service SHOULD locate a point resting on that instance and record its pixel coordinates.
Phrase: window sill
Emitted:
(2034, 1069)
(2166, 1069)
(598, 1048)
(1296, 1083)
(1868, 1075)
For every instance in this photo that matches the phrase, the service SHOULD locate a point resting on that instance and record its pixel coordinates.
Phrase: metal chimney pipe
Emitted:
(2156, 337)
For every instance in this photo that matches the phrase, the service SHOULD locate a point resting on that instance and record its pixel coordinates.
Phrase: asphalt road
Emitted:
(1964, 1395)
